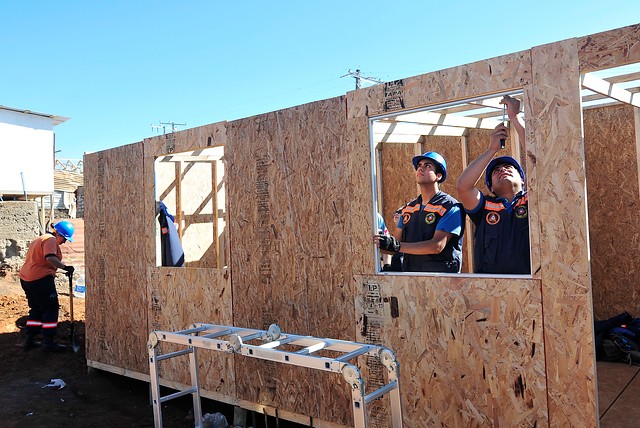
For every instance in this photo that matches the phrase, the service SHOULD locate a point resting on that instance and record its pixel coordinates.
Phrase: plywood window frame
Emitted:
(217, 196)
(454, 119)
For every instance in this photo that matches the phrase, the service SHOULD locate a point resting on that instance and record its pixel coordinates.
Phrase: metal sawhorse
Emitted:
(235, 340)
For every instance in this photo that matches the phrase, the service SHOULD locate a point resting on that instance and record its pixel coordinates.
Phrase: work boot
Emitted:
(51, 346)
(30, 343)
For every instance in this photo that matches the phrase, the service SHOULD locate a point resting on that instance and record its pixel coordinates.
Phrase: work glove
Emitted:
(389, 243)
(69, 270)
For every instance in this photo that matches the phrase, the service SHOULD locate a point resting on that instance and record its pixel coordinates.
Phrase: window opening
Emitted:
(459, 131)
(192, 187)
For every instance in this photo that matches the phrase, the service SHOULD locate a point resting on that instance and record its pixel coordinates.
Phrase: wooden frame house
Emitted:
(276, 213)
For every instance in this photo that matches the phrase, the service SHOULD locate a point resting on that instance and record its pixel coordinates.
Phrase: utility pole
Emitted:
(163, 126)
(358, 76)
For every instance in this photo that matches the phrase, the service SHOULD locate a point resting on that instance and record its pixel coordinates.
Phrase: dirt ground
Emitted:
(91, 398)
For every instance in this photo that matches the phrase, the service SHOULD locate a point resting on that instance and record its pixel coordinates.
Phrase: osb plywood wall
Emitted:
(451, 333)
(290, 187)
(614, 203)
(116, 261)
(184, 296)
(474, 351)
(558, 179)
(179, 297)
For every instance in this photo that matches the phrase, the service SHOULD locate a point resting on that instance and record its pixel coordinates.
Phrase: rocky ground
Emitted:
(91, 398)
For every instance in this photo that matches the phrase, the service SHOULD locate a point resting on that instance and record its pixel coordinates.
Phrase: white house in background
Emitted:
(27, 144)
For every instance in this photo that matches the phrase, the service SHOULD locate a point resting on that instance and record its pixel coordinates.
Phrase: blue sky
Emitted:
(117, 67)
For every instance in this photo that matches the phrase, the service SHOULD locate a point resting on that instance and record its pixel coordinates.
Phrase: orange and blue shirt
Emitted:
(419, 222)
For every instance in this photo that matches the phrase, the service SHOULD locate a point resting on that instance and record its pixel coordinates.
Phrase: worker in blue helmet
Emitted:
(429, 230)
(37, 274)
(501, 242)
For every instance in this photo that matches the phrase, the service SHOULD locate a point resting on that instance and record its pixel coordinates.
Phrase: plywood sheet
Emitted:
(201, 137)
(471, 352)
(360, 217)
(528, 162)
(117, 293)
(466, 81)
(611, 160)
(564, 247)
(609, 48)
(180, 297)
(198, 194)
(289, 199)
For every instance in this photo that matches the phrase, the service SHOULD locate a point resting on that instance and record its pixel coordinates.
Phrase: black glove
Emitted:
(69, 270)
(389, 243)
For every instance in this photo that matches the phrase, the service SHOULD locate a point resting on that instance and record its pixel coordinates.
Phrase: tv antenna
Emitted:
(358, 76)
(163, 126)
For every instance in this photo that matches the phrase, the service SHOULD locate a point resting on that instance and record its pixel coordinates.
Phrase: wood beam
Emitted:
(601, 86)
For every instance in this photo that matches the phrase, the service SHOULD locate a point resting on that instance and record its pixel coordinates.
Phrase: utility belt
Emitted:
(413, 263)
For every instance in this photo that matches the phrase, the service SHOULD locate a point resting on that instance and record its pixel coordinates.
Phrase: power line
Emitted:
(358, 76)
(163, 126)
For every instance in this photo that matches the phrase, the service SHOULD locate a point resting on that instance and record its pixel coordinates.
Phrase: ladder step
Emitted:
(178, 394)
(173, 354)
(351, 355)
(380, 392)
(311, 349)
(218, 334)
(252, 336)
(276, 343)
(190, 330)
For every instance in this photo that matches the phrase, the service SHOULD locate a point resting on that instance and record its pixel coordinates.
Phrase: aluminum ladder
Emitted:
(265, 345)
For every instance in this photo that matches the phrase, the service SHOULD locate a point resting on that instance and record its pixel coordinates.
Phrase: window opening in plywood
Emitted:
(192, 187)
(459, 131)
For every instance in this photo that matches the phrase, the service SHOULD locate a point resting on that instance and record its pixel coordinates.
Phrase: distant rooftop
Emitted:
(57, 120)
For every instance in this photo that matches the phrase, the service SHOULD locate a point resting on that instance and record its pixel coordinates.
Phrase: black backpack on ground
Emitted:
(618, 339)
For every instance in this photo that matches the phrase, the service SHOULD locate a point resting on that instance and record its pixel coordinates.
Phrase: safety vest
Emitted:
(501, 242)
(419, 223)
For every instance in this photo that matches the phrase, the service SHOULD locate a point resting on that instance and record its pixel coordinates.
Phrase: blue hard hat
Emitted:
(65, 229)
(437, 159)
(497, 161)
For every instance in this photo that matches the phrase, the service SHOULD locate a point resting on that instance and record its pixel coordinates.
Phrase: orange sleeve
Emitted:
(50, 248)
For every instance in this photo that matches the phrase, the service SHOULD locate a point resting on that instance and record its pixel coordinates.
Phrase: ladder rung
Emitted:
(218, 334)
(251, 336)
(353, 354)
(380, 392)
(190, 330)
(177, 394)
(276, 343)
(311, 349)
(173, 354)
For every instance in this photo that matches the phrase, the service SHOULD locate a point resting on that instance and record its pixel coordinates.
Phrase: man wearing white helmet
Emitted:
(501, 242)
(430, 227)
(37, 274)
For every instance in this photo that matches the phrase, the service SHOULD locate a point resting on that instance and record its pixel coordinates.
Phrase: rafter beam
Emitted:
(386, 133)
(601, 86)
(431, 118)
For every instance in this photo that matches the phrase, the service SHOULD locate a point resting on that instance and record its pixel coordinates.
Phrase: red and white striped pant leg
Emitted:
(33, 327)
